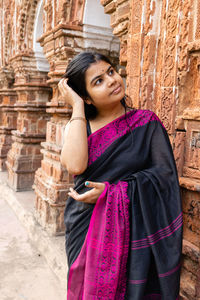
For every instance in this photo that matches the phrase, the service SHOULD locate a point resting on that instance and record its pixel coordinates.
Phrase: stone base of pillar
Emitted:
(23, 160)
(5, 145)
(49, 216)
(8, 122)
(19, 181)
(50, 199)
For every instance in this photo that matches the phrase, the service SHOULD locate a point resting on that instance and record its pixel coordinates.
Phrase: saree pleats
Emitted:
(139, 256)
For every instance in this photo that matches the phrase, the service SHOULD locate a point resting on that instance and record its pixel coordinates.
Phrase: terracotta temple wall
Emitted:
(159, 55)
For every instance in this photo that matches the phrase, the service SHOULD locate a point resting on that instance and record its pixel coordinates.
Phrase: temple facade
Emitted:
(157, 46)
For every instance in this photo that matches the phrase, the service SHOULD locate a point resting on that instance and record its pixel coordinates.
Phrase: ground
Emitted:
(24, 273)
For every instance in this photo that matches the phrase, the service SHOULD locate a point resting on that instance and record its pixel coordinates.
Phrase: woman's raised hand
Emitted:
(68, 94)
(90, 196)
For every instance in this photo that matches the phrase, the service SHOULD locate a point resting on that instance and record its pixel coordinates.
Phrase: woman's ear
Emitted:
(88, 100)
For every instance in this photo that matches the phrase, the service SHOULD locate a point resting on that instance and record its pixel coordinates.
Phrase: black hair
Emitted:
(75, 73)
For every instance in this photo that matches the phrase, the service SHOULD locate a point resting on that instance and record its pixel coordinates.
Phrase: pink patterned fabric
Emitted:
(101, 139)
(99, 272)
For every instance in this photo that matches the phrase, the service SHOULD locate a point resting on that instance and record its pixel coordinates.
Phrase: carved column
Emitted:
(24, 158)
(51, 180)
(8, 117)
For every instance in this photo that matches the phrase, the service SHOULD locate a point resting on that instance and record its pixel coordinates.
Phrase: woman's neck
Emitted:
(106, 116)
(110, 114)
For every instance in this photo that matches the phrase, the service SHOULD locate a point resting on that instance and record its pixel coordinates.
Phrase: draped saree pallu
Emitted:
(127, 245)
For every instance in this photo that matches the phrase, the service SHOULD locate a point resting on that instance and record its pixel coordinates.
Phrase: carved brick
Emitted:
(105, 2)
(192, 154)
(191, 209)
(24, 157)
(8, 117)
(110, 8)
(179, 150)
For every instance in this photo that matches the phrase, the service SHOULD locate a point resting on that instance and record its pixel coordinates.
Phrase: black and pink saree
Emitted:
(127, 245)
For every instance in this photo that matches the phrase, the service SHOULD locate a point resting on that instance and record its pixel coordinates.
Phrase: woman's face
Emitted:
(104, 85)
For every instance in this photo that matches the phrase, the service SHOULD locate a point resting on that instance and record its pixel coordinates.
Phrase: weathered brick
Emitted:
(110, 8)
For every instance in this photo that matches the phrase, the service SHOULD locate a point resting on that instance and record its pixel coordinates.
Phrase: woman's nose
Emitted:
(111, 80)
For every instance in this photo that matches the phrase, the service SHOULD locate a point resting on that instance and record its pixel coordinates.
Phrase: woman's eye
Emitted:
(111, 72)
(98, 81)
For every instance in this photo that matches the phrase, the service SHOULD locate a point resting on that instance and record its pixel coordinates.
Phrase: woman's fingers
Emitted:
(62, 88)
(90, 196)
(63, 85)
(63, 81)
(68, 94)
(92, 184)
(87, 197)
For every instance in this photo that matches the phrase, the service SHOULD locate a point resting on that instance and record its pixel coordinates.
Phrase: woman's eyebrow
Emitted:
(100, 75)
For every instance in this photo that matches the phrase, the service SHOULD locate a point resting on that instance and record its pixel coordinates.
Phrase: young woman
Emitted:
(123, 218)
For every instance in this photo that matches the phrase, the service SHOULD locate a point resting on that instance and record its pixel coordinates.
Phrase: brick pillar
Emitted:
(24, 158)
(8, 117)
(51, 180)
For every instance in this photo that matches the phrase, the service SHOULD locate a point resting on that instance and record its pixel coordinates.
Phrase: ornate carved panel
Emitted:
(48, 14)
(192, 154)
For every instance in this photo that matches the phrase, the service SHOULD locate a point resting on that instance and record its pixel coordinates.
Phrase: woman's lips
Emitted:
(116, 90)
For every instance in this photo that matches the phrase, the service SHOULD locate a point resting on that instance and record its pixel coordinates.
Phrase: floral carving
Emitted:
(167, 100)
(169, 81)
(6, 78)
(49, 13)
(27, 12)
(123, 53)
(184, 31)
(146, 82)
(197, 33)
(7, 36)
(79, 11)
(65, 11)
(179, 145)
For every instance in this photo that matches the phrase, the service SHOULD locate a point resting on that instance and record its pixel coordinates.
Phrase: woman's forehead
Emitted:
(96, 69)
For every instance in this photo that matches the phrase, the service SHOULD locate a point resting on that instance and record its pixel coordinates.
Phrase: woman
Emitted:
(123, 218)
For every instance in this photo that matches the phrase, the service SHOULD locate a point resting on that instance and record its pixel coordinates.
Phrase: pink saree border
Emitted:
(101, 139)
(100, 269)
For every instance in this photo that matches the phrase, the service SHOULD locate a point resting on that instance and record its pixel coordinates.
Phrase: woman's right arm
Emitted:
(74, 154)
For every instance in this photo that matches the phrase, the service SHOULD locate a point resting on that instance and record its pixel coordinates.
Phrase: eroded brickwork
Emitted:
(8, 117)
(160, 58)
